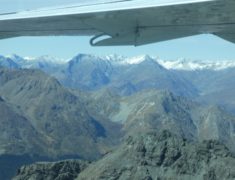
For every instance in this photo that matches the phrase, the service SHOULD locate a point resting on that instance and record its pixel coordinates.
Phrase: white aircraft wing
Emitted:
(125, 22)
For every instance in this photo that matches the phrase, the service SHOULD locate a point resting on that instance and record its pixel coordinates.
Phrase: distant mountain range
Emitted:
(178, 64)
(200, 80)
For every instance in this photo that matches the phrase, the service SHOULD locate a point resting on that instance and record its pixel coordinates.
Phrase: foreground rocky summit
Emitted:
(164, 156)
(62, 170)
(152, 155)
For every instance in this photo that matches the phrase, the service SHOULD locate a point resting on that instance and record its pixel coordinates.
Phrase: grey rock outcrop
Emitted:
(147, 156)
(62, 170)
(164, 156)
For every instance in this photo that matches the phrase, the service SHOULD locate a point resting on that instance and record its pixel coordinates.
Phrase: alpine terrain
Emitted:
(114, 117)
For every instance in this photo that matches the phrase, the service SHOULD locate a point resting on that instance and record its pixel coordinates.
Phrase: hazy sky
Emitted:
(206, 47)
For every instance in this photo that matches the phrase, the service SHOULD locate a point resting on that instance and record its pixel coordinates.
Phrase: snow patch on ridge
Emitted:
(189, 65)
(132, 60)
(46, 58)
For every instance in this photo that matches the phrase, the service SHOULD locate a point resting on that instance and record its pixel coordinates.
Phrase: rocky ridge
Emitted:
(150, 156)
(62, 170)
(162, 156)
(157, 110)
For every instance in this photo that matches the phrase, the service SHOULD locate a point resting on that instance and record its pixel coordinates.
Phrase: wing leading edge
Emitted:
(121, 22)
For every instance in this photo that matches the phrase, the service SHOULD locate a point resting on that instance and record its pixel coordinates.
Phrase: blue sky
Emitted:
(204, 47)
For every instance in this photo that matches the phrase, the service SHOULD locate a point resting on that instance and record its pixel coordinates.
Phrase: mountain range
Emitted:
(156, 110)
(118, 60)
(199, 80)
(54, 111)
(83, 107)
(43, 120)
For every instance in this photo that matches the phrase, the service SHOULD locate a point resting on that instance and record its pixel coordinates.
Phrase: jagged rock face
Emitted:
(163, 156)
(63, 170)
(148, 156)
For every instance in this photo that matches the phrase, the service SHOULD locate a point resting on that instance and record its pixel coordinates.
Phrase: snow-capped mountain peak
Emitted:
(15, 58)
(138, 59)
(29, 58)
(121, 60)
(114, 58)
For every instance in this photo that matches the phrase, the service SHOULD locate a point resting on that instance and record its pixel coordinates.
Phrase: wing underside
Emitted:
(133, 22)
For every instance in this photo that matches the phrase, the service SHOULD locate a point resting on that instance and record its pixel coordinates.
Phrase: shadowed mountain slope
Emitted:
(55, 112)
(17, 135)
